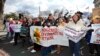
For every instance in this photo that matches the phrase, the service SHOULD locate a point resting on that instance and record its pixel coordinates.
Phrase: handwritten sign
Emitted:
(47, 36)
(74, 35)
(95, 39)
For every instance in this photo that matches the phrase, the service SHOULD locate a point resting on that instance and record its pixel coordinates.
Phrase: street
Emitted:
(20, 50)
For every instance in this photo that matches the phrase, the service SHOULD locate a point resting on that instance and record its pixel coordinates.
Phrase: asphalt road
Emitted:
(19, 50)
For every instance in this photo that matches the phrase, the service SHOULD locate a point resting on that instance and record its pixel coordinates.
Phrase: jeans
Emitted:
(75, 48)
(10, 35)
(17, 34)
(46, 50)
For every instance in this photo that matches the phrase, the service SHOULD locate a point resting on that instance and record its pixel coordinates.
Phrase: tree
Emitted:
(24, 13)
(11, 15)
(2, 2)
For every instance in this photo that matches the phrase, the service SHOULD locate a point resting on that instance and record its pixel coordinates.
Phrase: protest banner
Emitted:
(16, 27)
(74, 35)
(47, 36)
(95, 39)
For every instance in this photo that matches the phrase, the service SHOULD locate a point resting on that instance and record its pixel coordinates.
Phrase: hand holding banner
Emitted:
(74, 35)
(47, 36)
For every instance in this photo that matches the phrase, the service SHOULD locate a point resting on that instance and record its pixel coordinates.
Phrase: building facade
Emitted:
(97, 3)
(96, 10)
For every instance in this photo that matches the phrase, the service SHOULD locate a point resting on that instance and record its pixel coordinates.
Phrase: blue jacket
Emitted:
(88, 36)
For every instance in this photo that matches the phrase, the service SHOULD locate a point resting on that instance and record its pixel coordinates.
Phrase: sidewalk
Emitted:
(2, 33)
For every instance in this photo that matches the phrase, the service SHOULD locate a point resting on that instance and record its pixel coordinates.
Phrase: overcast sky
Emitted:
(33, 5)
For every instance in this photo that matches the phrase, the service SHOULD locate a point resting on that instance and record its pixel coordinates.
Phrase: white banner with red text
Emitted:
(47, 36)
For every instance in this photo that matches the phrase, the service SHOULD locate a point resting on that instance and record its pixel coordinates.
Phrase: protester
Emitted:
(21, 20)
(8, 31)
(93, 47)
(78, 25)
(11, 30)
(42, 20)
(79, 14)
(16, 28)
(38, 22)
(30, 23)
(65, 19)
(61, 24)
(24, 33)
(4, 22)
(49, 22)
(25, 22)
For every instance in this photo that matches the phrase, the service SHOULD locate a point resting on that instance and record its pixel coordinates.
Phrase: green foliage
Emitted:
(11, 15)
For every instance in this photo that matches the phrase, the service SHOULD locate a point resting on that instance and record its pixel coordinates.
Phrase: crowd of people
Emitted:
(76, 22)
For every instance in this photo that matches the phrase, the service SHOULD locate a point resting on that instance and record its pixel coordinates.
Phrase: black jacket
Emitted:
(49, 22)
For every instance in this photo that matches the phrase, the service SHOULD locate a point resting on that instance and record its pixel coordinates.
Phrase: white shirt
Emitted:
(78, 26)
